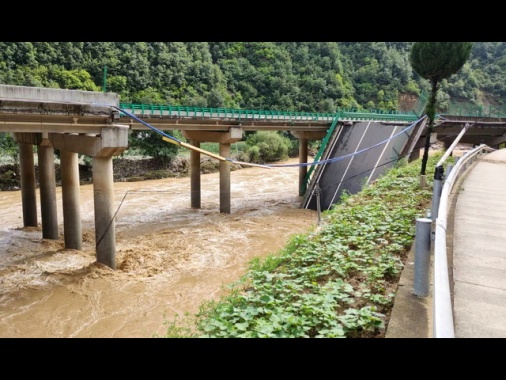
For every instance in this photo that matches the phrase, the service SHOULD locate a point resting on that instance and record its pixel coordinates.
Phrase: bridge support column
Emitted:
(225, 179)
(105, 234)
(225, 139)
(71, 200)
(304, 137)
(28, 195)
(195, 175)
(112, 141)
(303, 143)
(47, 184)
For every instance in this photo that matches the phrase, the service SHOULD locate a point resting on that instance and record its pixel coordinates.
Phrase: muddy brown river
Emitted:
(170, 257)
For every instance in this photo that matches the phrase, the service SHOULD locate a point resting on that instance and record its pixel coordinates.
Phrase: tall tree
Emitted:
(436, 61)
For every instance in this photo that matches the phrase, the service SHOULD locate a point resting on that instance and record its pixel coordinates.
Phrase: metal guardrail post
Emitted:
(422, 257)
(318, 207)
(437, 188)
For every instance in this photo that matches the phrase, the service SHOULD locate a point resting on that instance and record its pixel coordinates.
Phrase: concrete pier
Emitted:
(225, 139)
(303, 149)
(225, 180)
(110, 142)
(304, 137)
(28, 195)
(47, 185)
(71, 200)
(105, 234)
(195, 176)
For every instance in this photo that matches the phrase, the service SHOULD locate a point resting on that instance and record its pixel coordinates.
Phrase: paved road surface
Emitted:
(479, 251)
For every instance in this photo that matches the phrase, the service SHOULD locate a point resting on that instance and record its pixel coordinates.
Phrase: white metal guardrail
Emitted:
(443, 326)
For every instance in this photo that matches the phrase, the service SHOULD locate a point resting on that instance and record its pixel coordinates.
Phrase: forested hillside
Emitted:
(288, 76)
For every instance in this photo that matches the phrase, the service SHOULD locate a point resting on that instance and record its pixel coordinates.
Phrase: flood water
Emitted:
(170, 257)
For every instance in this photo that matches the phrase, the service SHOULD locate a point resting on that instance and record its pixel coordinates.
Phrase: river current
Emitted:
(170, 257)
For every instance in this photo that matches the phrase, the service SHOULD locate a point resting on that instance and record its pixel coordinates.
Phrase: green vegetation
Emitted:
(266, 146)
(288, 76)
(337, 281)
(9, 148)
(150, 144)
(436, 61)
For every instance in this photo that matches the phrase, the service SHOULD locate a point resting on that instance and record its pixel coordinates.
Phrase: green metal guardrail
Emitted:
(361, 115)
(184, 111)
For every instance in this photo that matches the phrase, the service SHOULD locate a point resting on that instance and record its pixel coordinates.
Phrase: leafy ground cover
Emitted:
(337, 281)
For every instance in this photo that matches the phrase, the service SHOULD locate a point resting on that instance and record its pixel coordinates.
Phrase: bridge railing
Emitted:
(387, 116)
(443, 326)
(203, 112)
(184, 111)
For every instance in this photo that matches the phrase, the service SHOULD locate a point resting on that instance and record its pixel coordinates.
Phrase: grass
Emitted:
(337, 281)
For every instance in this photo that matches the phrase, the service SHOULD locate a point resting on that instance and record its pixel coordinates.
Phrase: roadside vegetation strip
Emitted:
(337, 281)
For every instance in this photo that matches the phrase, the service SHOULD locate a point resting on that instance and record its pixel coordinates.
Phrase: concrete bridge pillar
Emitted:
(47, 185)
(71, 200)
(105, 234)
(112, 141)
(303, 150)
(225, 179)
(195, 175)
(225, 139)
(28, 195)
(304, 137)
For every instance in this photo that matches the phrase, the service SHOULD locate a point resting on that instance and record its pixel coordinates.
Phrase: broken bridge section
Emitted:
(356, 154)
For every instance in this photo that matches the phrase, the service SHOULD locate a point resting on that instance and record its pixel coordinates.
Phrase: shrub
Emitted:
(266, 146)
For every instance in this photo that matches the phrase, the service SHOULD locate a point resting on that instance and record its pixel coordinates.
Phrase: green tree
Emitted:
(266, 146)
(436, 61)
(151, 143)
(9, 147)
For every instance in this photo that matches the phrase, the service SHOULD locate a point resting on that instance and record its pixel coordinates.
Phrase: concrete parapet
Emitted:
(58, 96)
(53, 101)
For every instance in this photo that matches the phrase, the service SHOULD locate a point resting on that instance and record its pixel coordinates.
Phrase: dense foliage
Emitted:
(337, 281)
(288, 76)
